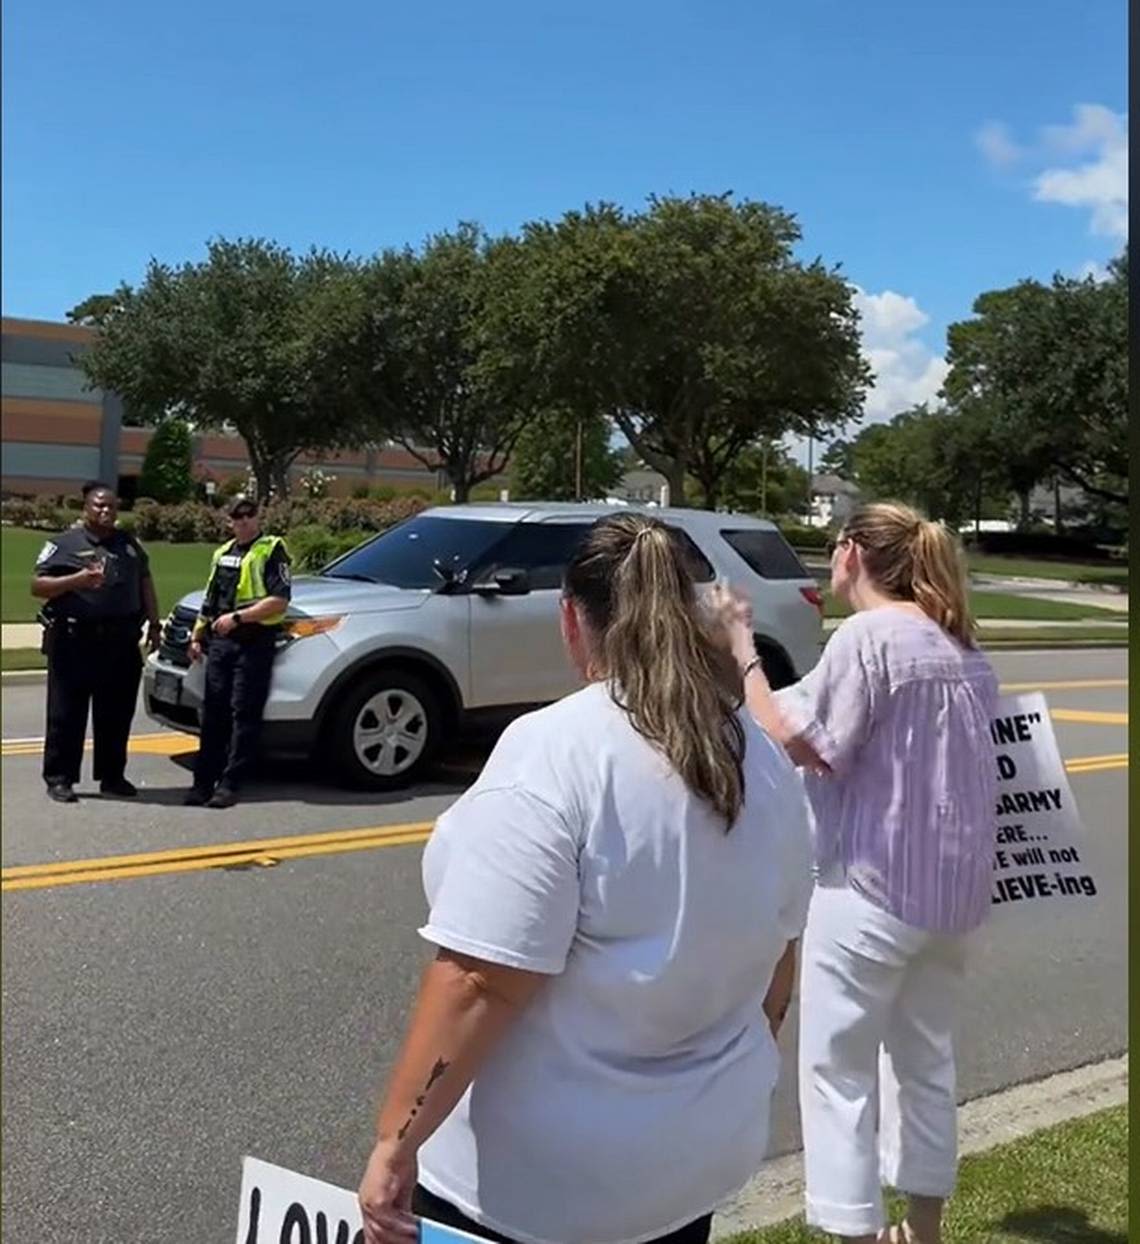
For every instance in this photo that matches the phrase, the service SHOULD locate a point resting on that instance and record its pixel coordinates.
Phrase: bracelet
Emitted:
(755, 664)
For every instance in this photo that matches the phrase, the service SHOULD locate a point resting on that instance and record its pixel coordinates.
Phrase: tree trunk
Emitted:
(978, 507)
(675, 476)
(1023, 501)
(462, 489)
(1057, 524)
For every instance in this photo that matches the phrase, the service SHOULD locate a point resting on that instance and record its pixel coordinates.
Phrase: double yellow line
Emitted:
(162, 743)
(1097, 764)
(259, 852)
(265, 852)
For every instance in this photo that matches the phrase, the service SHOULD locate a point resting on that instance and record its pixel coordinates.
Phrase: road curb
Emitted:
(776, 1193)
(18, 676)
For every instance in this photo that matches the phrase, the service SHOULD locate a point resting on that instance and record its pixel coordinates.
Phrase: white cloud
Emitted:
(1082, 164)
(1097, 271)
(907, 371)
(995, 142)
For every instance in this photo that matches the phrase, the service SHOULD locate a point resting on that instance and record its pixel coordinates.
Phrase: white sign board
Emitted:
(278, 1206)
(1040, 846)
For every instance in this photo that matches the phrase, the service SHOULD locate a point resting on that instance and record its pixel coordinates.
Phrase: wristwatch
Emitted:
(237, 617)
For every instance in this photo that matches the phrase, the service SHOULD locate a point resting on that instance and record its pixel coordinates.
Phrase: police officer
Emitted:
(237, 628)
(97, 585)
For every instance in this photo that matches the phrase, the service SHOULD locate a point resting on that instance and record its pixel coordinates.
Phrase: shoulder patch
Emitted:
(46, 552)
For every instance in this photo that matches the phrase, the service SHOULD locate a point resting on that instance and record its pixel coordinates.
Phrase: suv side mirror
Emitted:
(508, 581)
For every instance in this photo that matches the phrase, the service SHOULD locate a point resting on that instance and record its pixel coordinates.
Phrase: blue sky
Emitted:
(937, 150)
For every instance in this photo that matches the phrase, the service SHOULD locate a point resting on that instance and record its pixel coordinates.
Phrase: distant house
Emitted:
(832, 501)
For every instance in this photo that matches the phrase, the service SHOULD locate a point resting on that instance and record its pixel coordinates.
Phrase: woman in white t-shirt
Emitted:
(615, 904)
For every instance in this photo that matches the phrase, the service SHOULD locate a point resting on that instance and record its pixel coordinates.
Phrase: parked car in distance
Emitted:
(451, 616)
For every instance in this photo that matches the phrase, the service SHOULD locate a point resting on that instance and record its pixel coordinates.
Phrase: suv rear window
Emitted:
(767, 552)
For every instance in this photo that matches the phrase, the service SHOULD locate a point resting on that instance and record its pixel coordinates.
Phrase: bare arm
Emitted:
(264, 608)
(779, 995)
(464, 1007)
(763, 706)
(48, 587)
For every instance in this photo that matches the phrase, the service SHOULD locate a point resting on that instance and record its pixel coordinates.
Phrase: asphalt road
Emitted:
(156, 1028)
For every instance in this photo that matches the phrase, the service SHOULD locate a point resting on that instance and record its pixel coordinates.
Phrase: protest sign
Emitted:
(1039, 840)
(278, 1206)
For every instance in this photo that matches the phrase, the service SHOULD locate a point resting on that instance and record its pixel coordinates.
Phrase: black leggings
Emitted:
(427, 1205)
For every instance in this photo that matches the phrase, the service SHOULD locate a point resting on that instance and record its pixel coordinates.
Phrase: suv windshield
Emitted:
(404, 556)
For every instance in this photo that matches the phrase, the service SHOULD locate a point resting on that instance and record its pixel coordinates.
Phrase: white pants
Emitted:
(877, 1086)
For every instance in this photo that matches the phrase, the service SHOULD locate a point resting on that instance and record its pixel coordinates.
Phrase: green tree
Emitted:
(838, 460)
(935, 460)
(92, 311)
(447, 389)
(277, 347)
(1048, 366)
(561, 458)
(691, 326)
(764, 479)
(168, 468)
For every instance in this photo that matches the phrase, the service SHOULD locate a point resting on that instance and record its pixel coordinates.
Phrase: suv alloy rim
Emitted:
(390, 732)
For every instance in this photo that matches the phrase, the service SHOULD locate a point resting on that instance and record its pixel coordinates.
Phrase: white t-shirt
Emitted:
(632, 1095)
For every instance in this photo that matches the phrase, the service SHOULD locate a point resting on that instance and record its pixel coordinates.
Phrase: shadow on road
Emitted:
(304, 782)
(1059, 1225)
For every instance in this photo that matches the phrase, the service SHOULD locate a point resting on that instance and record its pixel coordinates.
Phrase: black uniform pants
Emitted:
(96, 664)
(237, 686)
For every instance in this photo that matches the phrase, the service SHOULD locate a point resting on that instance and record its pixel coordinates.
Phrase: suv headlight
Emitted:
(303, 628)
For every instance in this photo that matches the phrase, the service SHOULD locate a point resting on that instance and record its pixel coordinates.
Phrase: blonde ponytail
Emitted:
(668, 667)
(911, 558)
(938, 581)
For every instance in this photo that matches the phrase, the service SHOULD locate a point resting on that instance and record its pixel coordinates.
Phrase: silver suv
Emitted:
(452, 616)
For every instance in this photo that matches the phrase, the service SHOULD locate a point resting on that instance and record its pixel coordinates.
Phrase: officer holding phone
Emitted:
(98, 588)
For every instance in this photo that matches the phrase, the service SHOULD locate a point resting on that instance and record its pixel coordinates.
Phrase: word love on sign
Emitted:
(1040, 843)
(278, 1206)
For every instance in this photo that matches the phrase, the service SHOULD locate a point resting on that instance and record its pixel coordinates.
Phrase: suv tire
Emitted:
(777, 668)
(386, 730)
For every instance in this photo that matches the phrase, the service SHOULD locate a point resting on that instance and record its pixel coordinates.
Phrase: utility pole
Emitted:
(764, 479)
(578, 461)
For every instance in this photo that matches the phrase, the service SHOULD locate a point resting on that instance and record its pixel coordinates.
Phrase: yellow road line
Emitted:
(268, 851)
(1089, 718)
(1077, 685)
(165, 743)
(258, 851)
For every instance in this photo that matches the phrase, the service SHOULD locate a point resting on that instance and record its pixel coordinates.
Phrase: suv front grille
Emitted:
(175, 643)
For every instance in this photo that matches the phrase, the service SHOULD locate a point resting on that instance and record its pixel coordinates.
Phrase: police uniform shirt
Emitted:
(125, 565)
(223, 590)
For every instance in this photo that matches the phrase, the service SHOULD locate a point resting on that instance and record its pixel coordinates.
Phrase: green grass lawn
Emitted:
(177, 569)
(1066, 1183)
(1006, 605)
(22, 659)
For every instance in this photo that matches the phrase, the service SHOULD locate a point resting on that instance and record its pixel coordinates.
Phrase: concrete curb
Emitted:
(776, 1193)
(19, 676)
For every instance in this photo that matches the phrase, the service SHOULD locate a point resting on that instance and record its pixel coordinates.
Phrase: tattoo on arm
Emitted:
(437, 1071)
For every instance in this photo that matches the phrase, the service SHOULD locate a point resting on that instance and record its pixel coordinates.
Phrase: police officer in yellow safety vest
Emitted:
(237, 628)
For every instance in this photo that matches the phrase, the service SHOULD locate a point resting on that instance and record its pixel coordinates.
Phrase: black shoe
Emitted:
(120, 787)
(223, 797)
(195, 797)
(62, 792)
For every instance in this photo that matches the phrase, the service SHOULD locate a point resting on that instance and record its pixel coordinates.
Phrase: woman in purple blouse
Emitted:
(892, 730)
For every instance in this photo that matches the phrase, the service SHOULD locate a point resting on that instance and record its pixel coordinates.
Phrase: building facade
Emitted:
(58, 432)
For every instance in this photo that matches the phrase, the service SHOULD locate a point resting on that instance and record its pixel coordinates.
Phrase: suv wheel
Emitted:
(386, 731)
(777, 668)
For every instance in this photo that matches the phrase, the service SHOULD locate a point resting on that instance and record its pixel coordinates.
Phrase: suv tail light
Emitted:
(813, 596)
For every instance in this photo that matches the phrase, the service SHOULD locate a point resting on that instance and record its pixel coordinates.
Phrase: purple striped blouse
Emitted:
(901, 714)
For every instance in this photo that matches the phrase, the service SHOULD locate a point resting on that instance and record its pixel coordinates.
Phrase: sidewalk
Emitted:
(1017, 624)
(20, 635)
